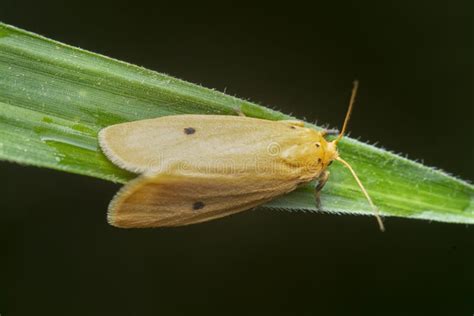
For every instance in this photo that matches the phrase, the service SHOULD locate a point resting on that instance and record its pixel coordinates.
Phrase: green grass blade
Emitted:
(55, 98)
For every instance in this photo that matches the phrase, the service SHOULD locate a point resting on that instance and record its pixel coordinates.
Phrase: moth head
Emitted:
(327, 152)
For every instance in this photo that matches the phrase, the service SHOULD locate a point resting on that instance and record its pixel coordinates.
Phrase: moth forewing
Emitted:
(172, 199)
(156, 144)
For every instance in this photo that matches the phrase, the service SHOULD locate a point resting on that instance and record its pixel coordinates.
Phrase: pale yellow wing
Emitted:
(208, 142)
(175, 200)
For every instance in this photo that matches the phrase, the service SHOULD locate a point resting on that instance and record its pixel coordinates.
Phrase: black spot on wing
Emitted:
(189, 130)
(198, 205)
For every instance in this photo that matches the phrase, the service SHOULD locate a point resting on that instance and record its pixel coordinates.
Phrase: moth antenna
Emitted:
(349, 111)
(376, 210)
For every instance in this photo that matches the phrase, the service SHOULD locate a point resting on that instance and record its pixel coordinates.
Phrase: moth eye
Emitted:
(318, 145)
(319, 160)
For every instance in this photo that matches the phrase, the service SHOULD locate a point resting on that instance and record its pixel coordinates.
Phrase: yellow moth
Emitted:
(195, 168)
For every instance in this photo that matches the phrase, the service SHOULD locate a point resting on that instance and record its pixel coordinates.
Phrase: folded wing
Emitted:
(203, 141)
(175, 200)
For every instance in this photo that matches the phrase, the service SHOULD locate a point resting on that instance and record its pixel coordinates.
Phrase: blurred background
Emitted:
(415, 64)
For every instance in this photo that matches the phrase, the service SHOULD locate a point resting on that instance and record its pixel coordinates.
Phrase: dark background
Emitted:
(415, 64)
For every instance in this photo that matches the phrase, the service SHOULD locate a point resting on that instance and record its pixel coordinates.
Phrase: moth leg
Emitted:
(330, 132)
(323, 178)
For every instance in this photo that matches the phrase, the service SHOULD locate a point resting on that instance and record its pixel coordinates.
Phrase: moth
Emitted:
(195, 168)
